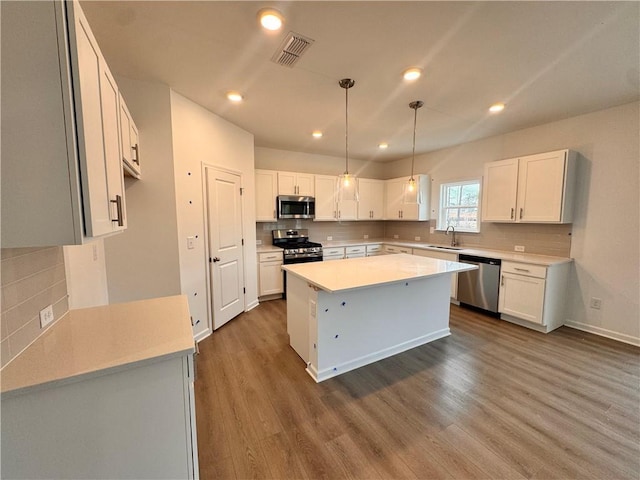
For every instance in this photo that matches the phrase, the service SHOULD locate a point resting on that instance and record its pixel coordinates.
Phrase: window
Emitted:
(459, 206)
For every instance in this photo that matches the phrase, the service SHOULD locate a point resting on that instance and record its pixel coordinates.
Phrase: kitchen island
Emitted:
(344, 314)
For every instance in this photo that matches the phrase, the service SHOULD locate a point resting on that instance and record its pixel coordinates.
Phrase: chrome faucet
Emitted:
(453, 233)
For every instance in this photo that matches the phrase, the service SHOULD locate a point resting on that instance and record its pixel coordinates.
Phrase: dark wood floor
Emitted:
(491, 401)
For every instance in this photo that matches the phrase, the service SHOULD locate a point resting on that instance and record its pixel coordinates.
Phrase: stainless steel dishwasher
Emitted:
(479, 288)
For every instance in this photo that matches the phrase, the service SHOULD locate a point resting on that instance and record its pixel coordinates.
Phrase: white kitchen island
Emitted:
(345, 314)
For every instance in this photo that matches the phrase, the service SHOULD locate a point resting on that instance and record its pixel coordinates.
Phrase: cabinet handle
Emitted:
(512, 212)
(521, 269)
(521, 213)
(274, 213)
(335, 214)
(120, 218)
(502, 280)
(339, 214)
(135, 157)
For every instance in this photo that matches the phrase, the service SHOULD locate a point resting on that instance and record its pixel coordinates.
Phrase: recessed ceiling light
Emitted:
(270, 19)
(317, 134)
(383, 145)
(496, 107)
(412, 73)
(234, 96)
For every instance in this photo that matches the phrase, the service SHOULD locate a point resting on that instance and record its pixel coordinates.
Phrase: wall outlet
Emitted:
(396, 236)
(191, 243)
(417, 239)
(258, 242)
(596, 303)
(329, 238)
(46, 316)
(432, 230)
(366, 236)
(519, 248)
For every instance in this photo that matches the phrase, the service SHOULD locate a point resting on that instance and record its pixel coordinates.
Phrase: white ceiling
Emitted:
(545, 60)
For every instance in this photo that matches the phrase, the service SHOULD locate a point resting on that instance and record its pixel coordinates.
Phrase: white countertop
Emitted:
(366, 272)
(94, 341)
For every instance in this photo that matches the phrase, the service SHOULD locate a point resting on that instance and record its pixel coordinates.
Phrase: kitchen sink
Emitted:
(445, 248)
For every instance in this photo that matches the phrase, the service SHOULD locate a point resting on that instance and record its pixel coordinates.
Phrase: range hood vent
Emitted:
(291, 49)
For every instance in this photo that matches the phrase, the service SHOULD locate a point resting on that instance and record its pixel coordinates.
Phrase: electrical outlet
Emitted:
(396, 236)
(432, 230)
(329, 238)
(366, 236)
(519, 248)
(46, 316)
(417, 239)
(596, 303)
(258, 242)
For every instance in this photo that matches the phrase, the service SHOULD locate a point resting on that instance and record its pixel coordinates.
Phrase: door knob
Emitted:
(215, 259)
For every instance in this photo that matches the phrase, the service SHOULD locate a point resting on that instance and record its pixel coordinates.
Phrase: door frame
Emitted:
(205, 211)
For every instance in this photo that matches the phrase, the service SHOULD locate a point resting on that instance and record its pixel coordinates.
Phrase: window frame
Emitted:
(440, 224)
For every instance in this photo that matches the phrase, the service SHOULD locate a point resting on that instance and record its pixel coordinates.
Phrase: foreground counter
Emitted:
(345, 314)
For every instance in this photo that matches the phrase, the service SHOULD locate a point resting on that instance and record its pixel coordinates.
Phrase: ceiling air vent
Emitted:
(291, 49)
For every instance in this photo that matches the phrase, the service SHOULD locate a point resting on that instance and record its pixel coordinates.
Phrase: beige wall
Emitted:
(605, 239)
(142, 262)
(86, 273)
(199, 138)
(32, 279)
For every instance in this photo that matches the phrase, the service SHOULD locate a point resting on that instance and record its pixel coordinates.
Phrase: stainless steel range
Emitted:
(296, 245)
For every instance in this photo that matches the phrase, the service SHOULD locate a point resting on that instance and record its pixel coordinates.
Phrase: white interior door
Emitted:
(226, 270)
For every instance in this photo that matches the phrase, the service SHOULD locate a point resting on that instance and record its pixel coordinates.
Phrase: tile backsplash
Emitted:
(541, 239)
(31, 279)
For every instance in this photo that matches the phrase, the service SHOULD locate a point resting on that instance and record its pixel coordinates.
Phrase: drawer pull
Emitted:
(521, 213)
(522, 269)
(512, 212)
(502, 280)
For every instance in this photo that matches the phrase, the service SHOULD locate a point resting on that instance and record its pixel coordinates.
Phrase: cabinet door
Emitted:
(371, 203)
(540, 187)
(325, 188)
(522, 297)
(266, 193)
(87, 72)
(348, 210)
(393, 193)
(287, 183)
(305, 184)
(499, 191)
(129, 141)
(271, 278)
(110, 105)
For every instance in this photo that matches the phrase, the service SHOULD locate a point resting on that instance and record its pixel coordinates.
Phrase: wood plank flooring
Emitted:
(491, 401)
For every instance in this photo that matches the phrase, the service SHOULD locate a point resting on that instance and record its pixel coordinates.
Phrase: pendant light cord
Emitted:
(415, 105)
(346, 83)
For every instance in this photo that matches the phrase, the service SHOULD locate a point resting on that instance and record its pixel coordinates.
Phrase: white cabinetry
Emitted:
(60, 115)
(270, 274)
(532, 189)
(374, 250)
(533, 293)
(129, 142)
(327, 205)
(452, 257)
(266, 193)
(293, 183)
(332, 253)
(371, 201)
(355, 251)
(403, 205)
(395, 249)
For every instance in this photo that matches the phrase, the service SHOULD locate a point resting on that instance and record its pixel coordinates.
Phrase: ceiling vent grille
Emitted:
(291, 49)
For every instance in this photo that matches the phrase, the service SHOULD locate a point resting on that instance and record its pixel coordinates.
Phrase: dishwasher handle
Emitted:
(475, 259)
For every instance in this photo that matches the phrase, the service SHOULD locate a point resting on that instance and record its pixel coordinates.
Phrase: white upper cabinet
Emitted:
(293, 183)
(326, 203)
(371, 202)
(266, 193)
(403, 205)
(129, 142)
(532, 189)
(62, 180)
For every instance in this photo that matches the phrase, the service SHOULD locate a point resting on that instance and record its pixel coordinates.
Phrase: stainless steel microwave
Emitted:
(293, 206)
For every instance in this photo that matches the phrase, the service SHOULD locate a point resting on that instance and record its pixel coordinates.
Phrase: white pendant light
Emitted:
(411, 187)
(347, 182)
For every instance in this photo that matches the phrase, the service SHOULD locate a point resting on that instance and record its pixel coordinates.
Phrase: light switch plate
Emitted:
(191, 243)
(417, 239)
(366, 236)
(396, 236)
(46, 316)
(519, 248)
(329, 238)
(596, 303)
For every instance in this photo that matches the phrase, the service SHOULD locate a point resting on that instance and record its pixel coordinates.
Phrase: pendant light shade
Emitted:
(347, 182)
(411, 187)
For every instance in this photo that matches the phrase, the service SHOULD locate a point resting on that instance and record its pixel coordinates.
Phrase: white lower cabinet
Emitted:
(270, 274)
(356, 251)
(453, 257)
(374, 249)
(395, 249)
(332, 253)
(136, 422)
(534, 294)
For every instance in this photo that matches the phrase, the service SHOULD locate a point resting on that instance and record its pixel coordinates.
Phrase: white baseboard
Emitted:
(327, 373)
(202, 335)
(603, 332)
(252, 305)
